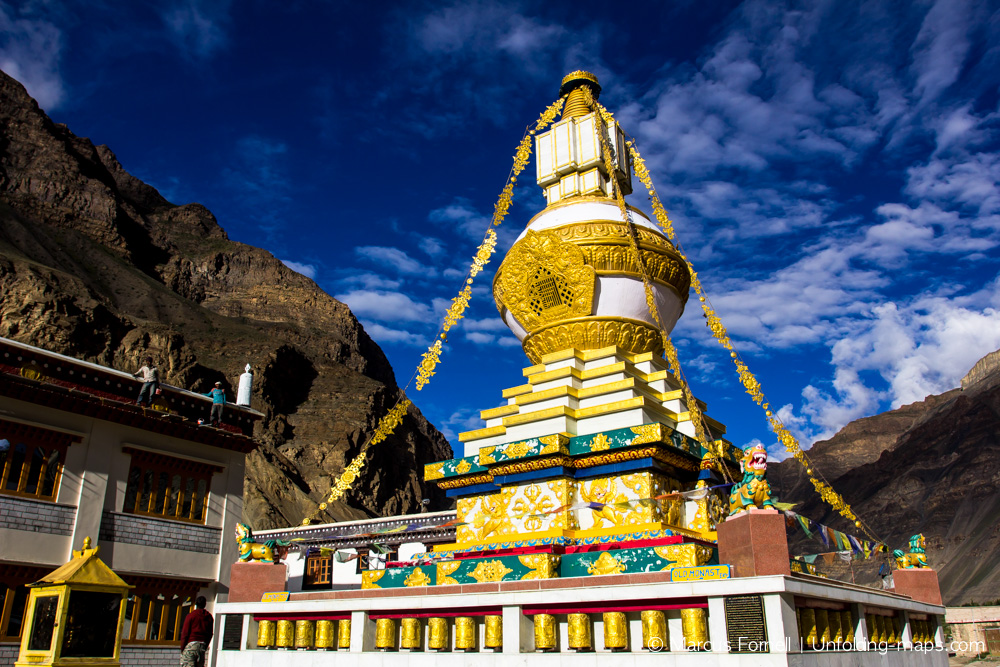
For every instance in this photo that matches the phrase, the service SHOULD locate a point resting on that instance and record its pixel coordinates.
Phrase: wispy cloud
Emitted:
(308, 270)
(197, 27)
(386, 335)
(395, 259)
(385, 306)
(30, 51)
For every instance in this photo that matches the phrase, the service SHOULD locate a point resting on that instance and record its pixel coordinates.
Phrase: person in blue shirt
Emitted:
(218, 396)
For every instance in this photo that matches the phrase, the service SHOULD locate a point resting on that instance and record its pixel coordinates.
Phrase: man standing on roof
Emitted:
(195, 635)
(218, 396)
(150, 376)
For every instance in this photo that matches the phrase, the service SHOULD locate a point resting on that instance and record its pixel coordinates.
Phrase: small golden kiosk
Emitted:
(75, 615)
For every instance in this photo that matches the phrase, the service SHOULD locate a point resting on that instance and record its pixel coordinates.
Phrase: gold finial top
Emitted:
(86, 542)
(577, 78)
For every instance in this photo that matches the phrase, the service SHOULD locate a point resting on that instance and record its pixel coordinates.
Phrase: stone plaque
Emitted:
(232, 632)
(745, 626)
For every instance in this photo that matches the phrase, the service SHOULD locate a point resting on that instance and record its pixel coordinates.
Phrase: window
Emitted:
(31, 460)
(318, 569)
(168, 487)
(14, 598)
(156, 608)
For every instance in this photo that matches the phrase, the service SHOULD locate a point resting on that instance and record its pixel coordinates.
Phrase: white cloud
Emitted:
(382, 335)
(395, 258)
(370, 281)
(464, 419)
(30, 50)
(485, 324)
(196, 27)
(431, 246)
(308, 270)
(385, 306)
(479, 338)
(461, 215)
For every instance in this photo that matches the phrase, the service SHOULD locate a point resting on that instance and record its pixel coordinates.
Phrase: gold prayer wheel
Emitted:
(385, 634)
(694, 625)
(494, 632)
(823, 627)
(836, 632)
(895, 635)
(654, 631)
(579, 631)
(916, 631)
(615, 631)
(438, 635)
(412, 634)
(545, 632)
(266, 631)
(878, 634)
(847, 624)
(807, 627)
(305, 633)
(324, 635)
(285, 634)
(344, 633)
(465, 633)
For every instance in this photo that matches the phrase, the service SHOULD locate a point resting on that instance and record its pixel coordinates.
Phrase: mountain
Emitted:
(932, 467)
(96, 264)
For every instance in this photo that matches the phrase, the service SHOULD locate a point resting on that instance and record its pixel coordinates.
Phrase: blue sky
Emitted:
(832, 168)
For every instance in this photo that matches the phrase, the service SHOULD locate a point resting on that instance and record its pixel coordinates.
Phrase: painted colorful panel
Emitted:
(630, 561)
(525, 449)
(498, 568)
(398, 577)
(453, 468)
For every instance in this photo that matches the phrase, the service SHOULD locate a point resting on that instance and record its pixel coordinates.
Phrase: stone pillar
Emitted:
(919, 583)
(249, 581)
(754, 543)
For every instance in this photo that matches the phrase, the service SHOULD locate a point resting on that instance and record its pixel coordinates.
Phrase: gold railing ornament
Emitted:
(847, 625)
(580, 634)
(494, 632)
(654, 631)
(344, 633)
(412, 634)
(807, 627)
(305, 634)
(545, 632)
(438, 634)
(615, 631)
(694, 626)
(385, 634)
(465, 633)
(266, 631)
(285, 634)
(325, 637)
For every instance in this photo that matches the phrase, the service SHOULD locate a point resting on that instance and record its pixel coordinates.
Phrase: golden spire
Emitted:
(571, 84)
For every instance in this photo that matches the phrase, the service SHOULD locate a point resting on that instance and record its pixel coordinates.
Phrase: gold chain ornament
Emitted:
(432, 357)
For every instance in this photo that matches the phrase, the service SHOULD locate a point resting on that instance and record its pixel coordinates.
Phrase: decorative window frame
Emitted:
(185, 496)
(34, 438)
(171, 600)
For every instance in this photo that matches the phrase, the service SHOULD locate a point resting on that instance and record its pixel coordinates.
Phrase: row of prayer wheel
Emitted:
(819, 627)
(694, 625)
(883, 629)
(411, 635)
(923, 631)
(304, 634)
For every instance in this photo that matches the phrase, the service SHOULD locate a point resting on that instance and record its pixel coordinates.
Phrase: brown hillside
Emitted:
(97, 265)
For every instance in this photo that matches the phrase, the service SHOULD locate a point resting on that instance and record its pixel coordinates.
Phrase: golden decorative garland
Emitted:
(747, 379)
(455, 312)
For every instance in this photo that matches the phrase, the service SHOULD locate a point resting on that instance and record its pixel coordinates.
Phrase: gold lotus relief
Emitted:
(540, 566)
(609, 230)
(417, 578)
(490, 571)
(463, 467)
(662, 268)
(516, 450)
(544, 279)
(684, 555)
(592, 333)
(606, 564)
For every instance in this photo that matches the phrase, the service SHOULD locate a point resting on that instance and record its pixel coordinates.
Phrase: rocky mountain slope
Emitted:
(932, 467)
(97, 265)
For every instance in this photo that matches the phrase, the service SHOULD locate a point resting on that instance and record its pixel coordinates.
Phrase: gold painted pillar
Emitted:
(438, 634)
(694, 625)
(494, 632)
(579, 632)
(615, 631)
(266, 631)
(545, 632)
(465, 633)
(325, 639)
(654, 631)
(385, 634)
